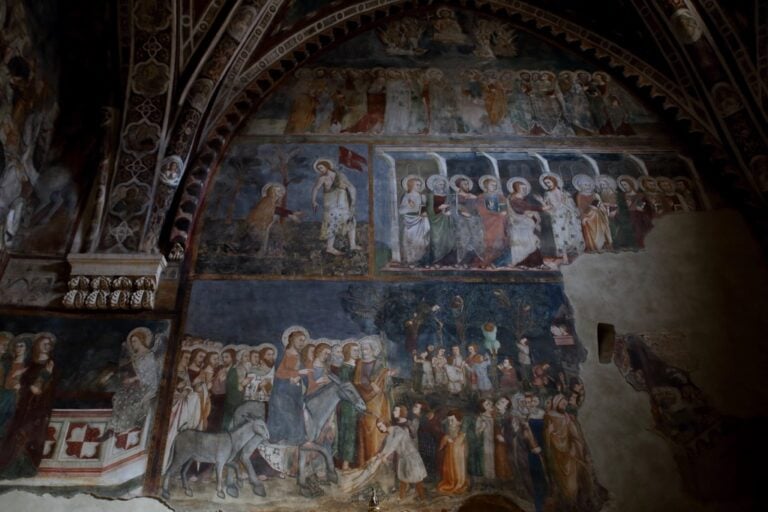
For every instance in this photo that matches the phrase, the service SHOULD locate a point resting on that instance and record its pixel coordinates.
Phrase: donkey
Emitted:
(320, 406)
(218, 448)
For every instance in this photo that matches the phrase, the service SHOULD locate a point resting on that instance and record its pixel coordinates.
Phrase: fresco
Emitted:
(471, 387)
(50, 120)
(28, 111)
(297, 10)
(713, 450)
(431, 77)
(77, 398)
(439, 210)
(288, 209)
(33, 282)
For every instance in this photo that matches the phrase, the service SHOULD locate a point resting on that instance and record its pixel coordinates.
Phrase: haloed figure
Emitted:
(22, 448)
(566, 223)
(267, 211)
(13, 364)
(414, 221)
(339, 199)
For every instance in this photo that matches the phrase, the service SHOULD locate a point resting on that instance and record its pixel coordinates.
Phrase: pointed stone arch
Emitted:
(265, 73)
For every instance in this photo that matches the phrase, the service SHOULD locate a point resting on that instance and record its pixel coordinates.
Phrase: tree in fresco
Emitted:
(242, 177)
(284, 165)
(249, 170)
(422, 313)
(292, 165)
(401, 313)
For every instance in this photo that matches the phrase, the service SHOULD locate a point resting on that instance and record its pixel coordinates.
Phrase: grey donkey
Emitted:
(220, 449)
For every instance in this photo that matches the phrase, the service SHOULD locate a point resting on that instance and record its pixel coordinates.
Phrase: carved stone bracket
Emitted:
(113, 281)
(177, 252)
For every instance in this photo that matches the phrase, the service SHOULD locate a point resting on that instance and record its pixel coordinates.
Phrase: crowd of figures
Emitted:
(28, 377)
(212, 380)
(512, 418)
(448, 223)
(27, 372)
(432, 101)
(459, 423)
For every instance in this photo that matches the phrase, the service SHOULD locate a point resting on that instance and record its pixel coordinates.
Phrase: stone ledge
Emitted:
(113, 281)
(129, 265)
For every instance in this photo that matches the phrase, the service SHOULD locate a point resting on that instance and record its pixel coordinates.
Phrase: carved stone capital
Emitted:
(113, 281)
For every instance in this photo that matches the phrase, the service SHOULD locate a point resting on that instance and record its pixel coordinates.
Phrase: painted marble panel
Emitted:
(452, 73)
(470, 387)
(77, 398)
(441, 210)
(288, 209)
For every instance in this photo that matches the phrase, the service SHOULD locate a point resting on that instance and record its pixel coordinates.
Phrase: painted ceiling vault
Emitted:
(280, 254)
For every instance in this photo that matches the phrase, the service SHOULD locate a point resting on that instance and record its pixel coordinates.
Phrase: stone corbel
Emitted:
(177, 252)
(113, 281)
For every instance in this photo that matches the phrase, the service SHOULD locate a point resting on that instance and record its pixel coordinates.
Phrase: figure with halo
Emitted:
(650, 187)
(492, 208)
(21, 450)
(371, 378)
(414, 222)
(607, 190)
(447, 29)
(595, 225)
(634, 205)
(136, 397)
(673, 202)
(566, 225)
(339, 200)
(684, 187)
(442, 240)
(470, 245)
(13, 364)
(347, 414)
(523, 226)
(267, 211)
(286, 403)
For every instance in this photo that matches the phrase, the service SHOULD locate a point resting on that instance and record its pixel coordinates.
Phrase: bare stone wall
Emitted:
(703, 275)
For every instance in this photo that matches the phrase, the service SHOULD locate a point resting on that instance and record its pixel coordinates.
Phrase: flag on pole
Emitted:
(352, 160)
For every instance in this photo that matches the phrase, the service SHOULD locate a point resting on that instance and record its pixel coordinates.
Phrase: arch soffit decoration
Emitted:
(193, 27)
(246, 24)
(762, 50)
(255, 83)
(732, 40)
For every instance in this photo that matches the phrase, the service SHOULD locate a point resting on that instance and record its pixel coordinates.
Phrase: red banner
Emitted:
(352, 160)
